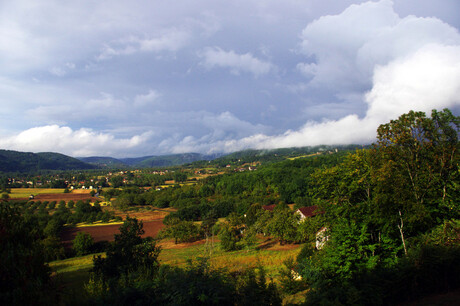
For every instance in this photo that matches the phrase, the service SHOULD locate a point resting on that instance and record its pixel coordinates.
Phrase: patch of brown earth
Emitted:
(107, 232)
(62, 196)
(144, 215)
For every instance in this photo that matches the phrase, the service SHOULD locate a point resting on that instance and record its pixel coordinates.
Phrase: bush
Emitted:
(83, 243)
(290, 282)
(53, 248)
(183, 231)
(61, 204)
(51, 205)
(106, 217)
(53, 228)
(228, 240)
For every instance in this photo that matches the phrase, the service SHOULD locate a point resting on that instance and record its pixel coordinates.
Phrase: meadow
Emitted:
(72, 274)
(269, 255)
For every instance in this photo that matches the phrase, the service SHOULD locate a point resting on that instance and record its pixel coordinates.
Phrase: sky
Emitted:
(147, 77)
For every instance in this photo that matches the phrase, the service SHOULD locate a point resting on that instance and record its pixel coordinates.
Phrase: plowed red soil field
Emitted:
(106, 232)
(63, 196)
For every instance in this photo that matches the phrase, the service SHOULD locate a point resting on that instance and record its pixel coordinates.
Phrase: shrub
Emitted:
(83, 243)
(52, 205)
(61, 204)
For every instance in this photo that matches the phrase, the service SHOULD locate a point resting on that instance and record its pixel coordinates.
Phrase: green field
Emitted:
(26, 192)
(303, 156)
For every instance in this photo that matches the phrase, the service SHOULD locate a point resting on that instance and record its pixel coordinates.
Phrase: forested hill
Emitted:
(14, 161)
(103, 162)
(276, 155)
(167, 160)
(219, 159)
(148, 161)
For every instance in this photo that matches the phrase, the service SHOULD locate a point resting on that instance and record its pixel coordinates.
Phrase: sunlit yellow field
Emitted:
(26, 192)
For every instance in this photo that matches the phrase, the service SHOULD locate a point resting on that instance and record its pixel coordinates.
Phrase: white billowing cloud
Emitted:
(429, 79)
(81, 142)
(171, 40)
(237, 63)
(346, 47)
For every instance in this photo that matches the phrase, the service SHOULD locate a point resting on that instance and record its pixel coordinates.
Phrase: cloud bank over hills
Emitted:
(151, 78)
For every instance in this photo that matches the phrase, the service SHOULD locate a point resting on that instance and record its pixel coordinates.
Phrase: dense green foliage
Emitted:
(83, 244)
(181, 231)
(24, 276)
(380, 206)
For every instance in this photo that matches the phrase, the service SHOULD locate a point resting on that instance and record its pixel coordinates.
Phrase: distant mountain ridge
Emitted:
(276, 155)
(103, 162)
(148, 161)
(15, 161)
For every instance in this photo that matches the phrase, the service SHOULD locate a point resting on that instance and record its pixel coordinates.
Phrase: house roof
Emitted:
(269, 207)
(310, 211)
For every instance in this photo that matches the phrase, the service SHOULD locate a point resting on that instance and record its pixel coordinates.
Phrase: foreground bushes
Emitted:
(196, 284)
(428, 269)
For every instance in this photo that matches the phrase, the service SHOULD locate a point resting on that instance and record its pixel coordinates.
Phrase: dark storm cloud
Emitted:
(148, 77)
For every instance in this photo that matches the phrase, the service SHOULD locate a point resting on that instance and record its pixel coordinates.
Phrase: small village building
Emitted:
(309, 211)
(321, 238)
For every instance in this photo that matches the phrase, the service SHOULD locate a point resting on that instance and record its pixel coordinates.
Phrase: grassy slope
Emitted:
(70, 276)
(73, 273)
(271, 259)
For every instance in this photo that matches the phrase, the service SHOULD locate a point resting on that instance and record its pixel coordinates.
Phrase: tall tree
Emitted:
(415, 169)
(128, 255)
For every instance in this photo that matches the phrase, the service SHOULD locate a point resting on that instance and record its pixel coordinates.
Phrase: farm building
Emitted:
(307, 212)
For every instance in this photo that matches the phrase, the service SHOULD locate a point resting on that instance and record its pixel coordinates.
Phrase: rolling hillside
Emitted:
(147, 161)
(103, 162)
(14, 161)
